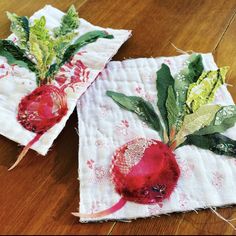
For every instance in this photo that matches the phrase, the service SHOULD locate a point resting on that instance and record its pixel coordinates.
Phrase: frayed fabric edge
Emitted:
(129, 220)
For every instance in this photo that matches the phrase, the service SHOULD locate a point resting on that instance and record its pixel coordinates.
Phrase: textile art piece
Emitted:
(45, 66)
(157, 136)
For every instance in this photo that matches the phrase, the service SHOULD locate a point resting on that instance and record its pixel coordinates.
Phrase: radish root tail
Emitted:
(25, 150)
(109, 211)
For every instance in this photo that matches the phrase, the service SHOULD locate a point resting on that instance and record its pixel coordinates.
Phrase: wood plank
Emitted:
(202, 223)
(225, 54)
(190, 25)
(38, 197)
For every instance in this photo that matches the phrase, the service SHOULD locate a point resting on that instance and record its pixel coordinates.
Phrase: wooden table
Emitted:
(38, 197)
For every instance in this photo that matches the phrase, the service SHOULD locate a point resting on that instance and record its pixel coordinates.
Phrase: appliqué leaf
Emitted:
(164, 80)
(61, 43)
(216, 142)
(71, 50)
(185, 77)
(83, 40)
(20, 27)
(15, 55)
(195, 121)
(66, 32)
(225, 118)
(139, 106)
(69, 22)
(172, 109)
(41, 46)
(203, 91)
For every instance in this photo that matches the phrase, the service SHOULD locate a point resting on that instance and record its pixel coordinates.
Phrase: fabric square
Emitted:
(206, 180)
(17, 82)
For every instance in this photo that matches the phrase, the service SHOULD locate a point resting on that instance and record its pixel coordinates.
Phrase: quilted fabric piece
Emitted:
(16, 82)
(206, 179)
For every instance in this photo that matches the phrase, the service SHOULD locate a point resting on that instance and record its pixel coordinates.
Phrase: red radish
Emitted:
(46, 105)
(39, 111)
(143, 171)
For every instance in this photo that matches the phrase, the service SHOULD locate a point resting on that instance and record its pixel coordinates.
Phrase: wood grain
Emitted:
(37, 198)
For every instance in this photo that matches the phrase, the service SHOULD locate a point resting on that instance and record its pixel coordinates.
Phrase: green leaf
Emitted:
(172, 109)
(203, 91)
(61, 43)
(20, 27)
(15, 55)
(216, 143)
(184, 78)
(139, 106)
(194, 69)
(164, 80)
(224, 119)
(83, 40)
(66, 32)
(52, 70)
(41, 46)
(39, 30)
(195, 121)
(69, 22)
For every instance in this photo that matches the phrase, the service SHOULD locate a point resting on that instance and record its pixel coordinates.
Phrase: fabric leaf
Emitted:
(39, 29)
(203, 91)
(216, 143)
(66, 32)
(41, 46)
(172, 109)
(185, 77)
(139, 106)
(194, 69)
(83, 40)
(225, 118)
(164, 80)
(15, 55)
(61, 43)
(69, 22)
(195, 121)
(20, 27)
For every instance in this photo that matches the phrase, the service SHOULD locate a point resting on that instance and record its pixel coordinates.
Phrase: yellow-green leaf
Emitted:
(172, 109)
(195, 121)
(41, 46)
(203, 91)
(189, 74)
(224, 119)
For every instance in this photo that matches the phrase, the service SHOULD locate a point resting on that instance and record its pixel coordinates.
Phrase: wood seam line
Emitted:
(111, 229)
(180, 222)
(81, 4)
(226, 29)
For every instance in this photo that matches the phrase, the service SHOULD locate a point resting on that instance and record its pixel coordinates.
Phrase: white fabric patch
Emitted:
(21, 82)
(206, 179)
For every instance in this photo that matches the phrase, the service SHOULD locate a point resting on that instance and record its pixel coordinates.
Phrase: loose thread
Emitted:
(230, 85)
(222, 218)
(182, 51)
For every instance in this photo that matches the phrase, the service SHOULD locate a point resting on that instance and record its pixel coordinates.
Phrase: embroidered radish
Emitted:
(140, 169)
(45, 53)
(39, 111)
(145, 171)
